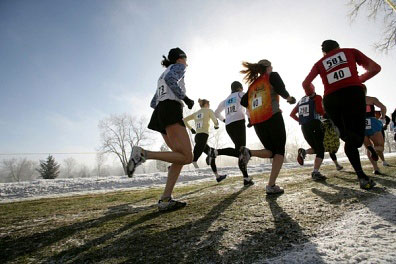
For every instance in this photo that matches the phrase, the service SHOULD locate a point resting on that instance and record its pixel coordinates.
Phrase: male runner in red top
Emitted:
(344, 98)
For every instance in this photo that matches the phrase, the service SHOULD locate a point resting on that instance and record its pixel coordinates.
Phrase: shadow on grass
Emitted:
(145, 244)
(12, 248)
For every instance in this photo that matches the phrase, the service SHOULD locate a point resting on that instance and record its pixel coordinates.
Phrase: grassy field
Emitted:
(223, 223)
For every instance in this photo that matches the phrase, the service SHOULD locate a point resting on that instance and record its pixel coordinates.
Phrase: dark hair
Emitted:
(235, 86)
(252, 71)
(329, 45)
(173, 55)
(202, 102)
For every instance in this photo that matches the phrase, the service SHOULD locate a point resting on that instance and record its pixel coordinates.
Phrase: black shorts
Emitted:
(166, 113)
(272, 134)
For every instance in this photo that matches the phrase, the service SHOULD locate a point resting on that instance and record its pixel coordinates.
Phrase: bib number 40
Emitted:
(338, 75)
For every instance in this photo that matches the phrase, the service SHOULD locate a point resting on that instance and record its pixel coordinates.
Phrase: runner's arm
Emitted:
(319, 105)
(218, 111)
(245, 100)
(371, 67)
(278, 85)
(153, 102)
(214, 119)
(376, 102)
(293, 113)
(308, 80)
(173, 77)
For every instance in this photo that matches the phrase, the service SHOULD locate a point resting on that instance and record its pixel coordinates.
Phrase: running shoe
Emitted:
(248, 181)
(195, 165)
(385, 164)
(274, 189)
(339, 167)
(377, 172)
(211, 156)
(244, 156)
(301, 156)
(317, 176)
(170, 204)
(137, 157)
(366, 184)
(221, 177)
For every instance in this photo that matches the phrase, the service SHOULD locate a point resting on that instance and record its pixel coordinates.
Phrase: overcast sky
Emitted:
(65, 65)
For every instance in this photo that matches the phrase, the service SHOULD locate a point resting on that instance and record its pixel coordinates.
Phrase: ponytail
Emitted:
(252, 71)
(165, 62)
(202, 102)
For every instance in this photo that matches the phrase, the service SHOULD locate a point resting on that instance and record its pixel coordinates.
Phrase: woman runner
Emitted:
(262, 102)
(167, 119)
(373, 132)
(344, 99)
(310, 110)
(235, 126)
(201, 119)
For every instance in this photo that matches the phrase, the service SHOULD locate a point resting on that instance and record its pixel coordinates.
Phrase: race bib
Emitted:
(257, 102)
(199, 125)
(334, 61)
(303, 110)
(199, 116)
(231, 109)
(161, 91)
(338, 75)
(368, 123)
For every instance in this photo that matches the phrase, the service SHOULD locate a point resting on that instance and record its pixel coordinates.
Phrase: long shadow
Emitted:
(12, 248)
(285, 234)
(197, 191)
(131, 244)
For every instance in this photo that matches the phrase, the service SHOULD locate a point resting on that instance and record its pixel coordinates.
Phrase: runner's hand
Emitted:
(189, 102)
(193, 131)
(291, 100)
(216, 127)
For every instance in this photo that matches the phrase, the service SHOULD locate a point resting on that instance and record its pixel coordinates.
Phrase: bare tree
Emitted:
(385, 8)
(100, 160)
(69, 165)
(19, 169)
(162, 165)
(119, 133)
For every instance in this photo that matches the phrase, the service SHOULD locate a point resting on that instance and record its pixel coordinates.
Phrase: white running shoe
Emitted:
(137, 157)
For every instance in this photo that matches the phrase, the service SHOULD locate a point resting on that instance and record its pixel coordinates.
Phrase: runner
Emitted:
(384, 128)
(262, 102)
(310, 110)
(167, 119)
(344, 99)
(235, 126)
(201, 119)
(394, 123)
(373, 133)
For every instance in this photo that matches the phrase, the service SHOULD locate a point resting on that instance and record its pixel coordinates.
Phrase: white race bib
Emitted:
(257, 102)
(303, 110)
(199, 125)
(338, 75)
(368, 123)
(334, 61)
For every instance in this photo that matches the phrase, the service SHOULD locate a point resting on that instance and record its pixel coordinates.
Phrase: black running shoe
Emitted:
(366, 184)
(248, 181)
(221, 177)
(170, 205)
(317, 176)
(301, 153)
(377, 172)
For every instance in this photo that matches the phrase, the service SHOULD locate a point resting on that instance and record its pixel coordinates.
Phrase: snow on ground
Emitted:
(367, 235)
(17, 191)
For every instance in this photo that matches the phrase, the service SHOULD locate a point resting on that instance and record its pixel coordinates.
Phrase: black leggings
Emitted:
(237, 132)
(200, 146)
(314, 135)
(272, 134)
(333, 156)
(347, 108)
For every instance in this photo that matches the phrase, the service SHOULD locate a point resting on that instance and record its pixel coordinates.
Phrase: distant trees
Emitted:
(119, 133)
(383, 8)
(162, 165)
(18, 169)
(69, 166)
(49, 169)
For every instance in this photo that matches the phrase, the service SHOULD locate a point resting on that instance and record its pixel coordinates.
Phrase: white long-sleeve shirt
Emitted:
(232, 107)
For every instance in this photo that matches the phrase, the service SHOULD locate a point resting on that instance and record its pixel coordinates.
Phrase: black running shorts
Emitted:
(166, 113)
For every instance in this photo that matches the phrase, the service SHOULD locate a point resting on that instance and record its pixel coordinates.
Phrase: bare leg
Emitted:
(378, 141)
(263, 153)
(277, 163)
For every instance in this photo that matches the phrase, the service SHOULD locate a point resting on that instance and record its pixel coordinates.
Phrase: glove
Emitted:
(189, 102)
(193, 131)
(291, 100)
(223, 120)
(249, 124)
(216, 127)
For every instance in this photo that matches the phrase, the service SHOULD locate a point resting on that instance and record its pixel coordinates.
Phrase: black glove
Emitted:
(291, 100)
(193, 131)
(189, 102)
(216, 127)
(249, 124)
(224, 120)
